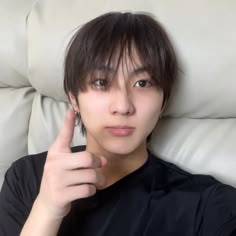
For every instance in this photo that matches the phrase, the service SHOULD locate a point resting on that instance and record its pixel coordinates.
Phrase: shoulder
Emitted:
(215, 202)
(225, 197)
(27, 171)
(220, 210)
(37, 161)
(174, 178)
(19, 190)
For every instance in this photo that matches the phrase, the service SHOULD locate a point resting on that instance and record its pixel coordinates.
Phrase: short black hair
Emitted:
(99, 41)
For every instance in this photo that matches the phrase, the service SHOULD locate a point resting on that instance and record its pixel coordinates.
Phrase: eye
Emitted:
(143, 83)
(100, 83)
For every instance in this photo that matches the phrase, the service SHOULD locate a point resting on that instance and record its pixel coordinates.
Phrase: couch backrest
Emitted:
(198, 129)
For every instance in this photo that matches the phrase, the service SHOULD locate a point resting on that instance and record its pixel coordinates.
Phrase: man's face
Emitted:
(119, 112)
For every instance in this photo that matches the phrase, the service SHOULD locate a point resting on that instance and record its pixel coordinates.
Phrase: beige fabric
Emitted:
(198, 130)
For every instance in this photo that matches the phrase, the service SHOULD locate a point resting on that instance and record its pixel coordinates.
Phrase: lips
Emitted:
(120, 130)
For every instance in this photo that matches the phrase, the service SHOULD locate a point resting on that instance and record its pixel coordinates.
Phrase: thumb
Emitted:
(103, 161)
(65, 136)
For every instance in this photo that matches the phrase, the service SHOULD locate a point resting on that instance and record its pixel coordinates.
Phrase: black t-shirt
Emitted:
(156, 199)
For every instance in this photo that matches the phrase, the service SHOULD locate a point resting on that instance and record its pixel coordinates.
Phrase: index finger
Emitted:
(65, 136)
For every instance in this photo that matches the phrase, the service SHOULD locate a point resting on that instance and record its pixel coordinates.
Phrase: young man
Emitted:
(119, 72)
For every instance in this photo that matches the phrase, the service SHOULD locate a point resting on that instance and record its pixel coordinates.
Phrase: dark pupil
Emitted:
(142, 83)
(103, 82)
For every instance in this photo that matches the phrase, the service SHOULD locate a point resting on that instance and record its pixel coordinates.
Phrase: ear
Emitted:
(163, 107)
(73, 102)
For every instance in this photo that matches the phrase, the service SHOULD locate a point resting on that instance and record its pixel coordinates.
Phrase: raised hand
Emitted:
(68, 176)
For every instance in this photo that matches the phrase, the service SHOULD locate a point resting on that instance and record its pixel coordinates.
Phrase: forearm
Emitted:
(40, 222)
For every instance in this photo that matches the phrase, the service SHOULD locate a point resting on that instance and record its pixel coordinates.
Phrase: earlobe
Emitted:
(74, 102)
(163, 108)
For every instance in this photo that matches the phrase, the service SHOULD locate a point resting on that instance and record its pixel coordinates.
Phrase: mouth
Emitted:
(120, 130)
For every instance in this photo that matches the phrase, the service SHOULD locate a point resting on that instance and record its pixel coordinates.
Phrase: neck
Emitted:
(118, 165)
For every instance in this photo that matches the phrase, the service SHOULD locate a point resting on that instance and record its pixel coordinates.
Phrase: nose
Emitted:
(122, 103)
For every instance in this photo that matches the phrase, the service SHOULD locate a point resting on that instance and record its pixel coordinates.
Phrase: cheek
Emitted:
(152, 114)
(91, 108)
(151, 105)
(150, 110)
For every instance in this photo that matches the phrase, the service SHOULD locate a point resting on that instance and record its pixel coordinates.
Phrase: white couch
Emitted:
(198, 129)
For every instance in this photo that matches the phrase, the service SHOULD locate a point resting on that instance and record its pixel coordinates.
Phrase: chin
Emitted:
(122, 148)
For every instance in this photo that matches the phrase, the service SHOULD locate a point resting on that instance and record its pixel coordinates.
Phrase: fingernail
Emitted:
(103, 161)
(101, 181)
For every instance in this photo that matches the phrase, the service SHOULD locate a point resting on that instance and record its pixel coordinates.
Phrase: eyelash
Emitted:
(100, 87)
(146, 81)
(106, 86)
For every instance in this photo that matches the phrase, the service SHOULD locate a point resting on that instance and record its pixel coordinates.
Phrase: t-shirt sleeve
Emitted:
(220, 213)
(14, 202)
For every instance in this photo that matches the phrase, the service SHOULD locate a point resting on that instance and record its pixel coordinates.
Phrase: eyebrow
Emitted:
(136, 71)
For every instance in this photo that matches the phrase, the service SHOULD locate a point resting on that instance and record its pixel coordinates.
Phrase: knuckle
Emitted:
(93, 175)
(88, 190)
(50, 166)
(88, 159)
(51, 176)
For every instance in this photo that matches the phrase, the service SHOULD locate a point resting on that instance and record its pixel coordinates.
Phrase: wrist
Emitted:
(41, 221)
(49, 212)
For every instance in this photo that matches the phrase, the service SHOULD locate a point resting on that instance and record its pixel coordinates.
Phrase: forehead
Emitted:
(122, 60)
